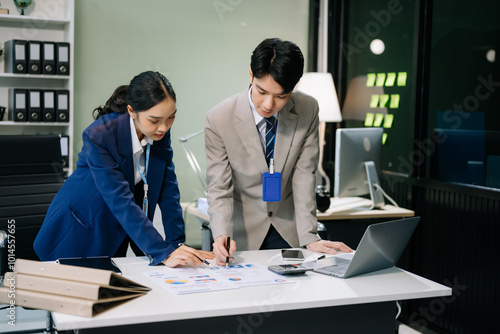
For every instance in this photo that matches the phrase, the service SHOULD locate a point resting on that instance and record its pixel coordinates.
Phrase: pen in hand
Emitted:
(204, 260)
(227, 248)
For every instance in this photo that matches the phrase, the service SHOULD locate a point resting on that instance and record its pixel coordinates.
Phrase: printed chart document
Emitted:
(203, 279)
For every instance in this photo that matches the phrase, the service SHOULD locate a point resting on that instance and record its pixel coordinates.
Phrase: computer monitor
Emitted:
(358, 156)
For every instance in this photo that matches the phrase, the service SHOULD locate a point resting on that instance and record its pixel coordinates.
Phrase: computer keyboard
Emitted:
(338, 269)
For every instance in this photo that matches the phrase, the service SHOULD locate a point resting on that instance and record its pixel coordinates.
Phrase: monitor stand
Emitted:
(376, 195)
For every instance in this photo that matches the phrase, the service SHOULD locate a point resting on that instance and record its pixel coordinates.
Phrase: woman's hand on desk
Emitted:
(185, 256)
(328, 247)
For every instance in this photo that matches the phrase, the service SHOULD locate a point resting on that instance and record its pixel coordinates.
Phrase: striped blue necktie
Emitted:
(270, 133)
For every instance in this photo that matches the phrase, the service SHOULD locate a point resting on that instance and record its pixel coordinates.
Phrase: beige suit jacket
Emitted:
(236, 162)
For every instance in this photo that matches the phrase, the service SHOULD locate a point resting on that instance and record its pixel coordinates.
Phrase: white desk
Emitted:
(312, 302)
(357, 208)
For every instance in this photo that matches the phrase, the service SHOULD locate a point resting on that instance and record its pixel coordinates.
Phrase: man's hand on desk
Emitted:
(328, 247)
(185, 256)
(220, 250)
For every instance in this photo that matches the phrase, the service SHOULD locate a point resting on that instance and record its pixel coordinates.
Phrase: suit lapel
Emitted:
(157, 165)
(125, 149)
(248, 133)
(287, 123)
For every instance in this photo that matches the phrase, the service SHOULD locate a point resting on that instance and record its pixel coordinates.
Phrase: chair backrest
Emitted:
(30, 154)
(31, 173)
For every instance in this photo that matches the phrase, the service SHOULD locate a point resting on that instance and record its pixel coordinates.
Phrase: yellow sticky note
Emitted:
(380, 80)
(391, 78)
(388, 119)
(370, 81)
(402, 78)
(369, 119)
(384, 138)
(384, 98)
(378, 120)
(394, 101)
(374, 101)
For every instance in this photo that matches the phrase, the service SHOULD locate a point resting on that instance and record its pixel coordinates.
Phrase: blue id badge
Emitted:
(271, 187)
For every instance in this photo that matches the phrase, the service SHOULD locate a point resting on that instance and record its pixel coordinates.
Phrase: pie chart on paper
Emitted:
(172, 281)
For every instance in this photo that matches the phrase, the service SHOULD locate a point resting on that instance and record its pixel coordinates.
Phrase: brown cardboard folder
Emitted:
(58, 303)
(67, 289)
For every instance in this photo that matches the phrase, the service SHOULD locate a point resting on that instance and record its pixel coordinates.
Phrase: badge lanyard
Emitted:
(271, 181)
(144, 175)
(271, 160)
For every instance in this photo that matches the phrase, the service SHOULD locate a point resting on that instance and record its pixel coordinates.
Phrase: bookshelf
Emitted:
(45, 20)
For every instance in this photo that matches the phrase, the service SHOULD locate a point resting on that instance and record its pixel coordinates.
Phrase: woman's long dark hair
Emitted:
(144, 92)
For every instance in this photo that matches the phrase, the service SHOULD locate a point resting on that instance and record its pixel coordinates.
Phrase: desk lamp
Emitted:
(193, 162)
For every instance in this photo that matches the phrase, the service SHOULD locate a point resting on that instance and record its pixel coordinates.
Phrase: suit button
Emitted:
(270, 213)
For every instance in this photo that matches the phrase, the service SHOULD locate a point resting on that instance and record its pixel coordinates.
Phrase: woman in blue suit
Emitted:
(124, 170)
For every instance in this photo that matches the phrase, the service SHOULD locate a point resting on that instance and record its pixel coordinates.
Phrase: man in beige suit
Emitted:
(235, 144)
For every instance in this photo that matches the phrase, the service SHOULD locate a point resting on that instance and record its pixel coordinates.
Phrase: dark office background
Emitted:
(441, 157)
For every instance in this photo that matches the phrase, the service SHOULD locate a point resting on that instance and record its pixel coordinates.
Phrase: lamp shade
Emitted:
(320, 86)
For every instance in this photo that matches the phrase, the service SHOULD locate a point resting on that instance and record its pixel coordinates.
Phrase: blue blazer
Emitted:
(95, 209)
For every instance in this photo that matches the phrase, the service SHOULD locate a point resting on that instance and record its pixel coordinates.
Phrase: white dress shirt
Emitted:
(138, 148)
(260, 122)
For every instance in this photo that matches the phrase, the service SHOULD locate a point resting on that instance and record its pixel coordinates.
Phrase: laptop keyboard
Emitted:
(338, 269)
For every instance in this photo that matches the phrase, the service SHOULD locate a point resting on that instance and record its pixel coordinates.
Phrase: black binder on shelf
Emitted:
(62, 58)
(49, 106)
(62, 105)
(65, 150)
(34, 57)
(15, 56)
(18, 101)
(48, 57)
(34, 105)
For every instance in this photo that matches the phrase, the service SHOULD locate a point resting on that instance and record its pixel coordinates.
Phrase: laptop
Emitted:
(381, 247)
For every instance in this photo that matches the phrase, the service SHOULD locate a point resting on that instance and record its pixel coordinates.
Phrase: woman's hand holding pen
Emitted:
(185, 256)
(221, 249)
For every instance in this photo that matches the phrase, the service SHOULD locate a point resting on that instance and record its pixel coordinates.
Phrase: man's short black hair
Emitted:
(282, 60)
